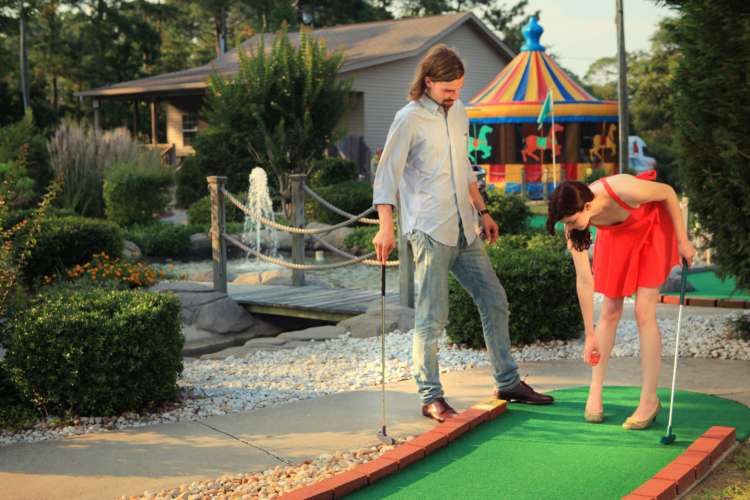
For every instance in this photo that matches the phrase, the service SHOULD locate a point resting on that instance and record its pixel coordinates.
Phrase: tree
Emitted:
(23, 10)
(652, 101)
(602, 78)
(712, 121)
(279, 112)
(317, 13)
(506, 20)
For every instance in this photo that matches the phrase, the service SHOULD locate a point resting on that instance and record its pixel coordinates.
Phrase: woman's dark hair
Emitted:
(567, 199)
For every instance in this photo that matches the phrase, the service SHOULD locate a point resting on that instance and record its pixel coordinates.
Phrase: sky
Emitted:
(580, 31)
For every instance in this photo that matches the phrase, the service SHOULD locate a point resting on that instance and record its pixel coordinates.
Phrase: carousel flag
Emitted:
(546, 109)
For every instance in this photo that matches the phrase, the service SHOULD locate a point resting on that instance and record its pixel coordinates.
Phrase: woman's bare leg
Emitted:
(605, 331)
(648, 331)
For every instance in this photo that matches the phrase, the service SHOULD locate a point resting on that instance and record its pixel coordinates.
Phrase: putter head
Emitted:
(385, 438)
(668, 439)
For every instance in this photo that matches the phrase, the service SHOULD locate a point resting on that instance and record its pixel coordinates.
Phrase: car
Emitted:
(638, 157)
(481, 175)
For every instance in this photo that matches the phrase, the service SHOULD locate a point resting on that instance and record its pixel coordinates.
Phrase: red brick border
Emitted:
(706, 301)
(689, 468)
(402, 455)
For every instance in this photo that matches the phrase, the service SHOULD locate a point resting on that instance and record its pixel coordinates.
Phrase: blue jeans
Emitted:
(471, 267)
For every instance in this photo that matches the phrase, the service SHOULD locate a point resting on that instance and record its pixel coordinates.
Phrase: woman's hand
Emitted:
(591, 354)
(686, 251)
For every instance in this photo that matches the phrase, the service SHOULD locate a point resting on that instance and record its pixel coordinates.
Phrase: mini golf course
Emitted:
(551, 452)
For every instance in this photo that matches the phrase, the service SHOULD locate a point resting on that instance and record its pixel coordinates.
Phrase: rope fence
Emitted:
(364, 259)
(219, 237)
(337, 210)
(291, 229)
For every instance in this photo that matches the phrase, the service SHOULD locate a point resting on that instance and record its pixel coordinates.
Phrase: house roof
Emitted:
(363, 45)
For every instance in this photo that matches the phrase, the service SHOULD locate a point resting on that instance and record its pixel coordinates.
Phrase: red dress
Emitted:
(638, 252)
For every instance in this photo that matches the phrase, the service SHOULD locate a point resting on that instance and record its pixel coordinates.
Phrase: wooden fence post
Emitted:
(298, 220)
(218, 223)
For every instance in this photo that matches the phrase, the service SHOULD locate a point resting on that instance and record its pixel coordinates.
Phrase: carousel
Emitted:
(518, 156)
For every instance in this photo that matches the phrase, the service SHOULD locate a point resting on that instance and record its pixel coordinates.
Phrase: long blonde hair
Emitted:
(441, 64)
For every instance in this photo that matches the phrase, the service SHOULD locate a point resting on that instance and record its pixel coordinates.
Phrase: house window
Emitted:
(189, 128)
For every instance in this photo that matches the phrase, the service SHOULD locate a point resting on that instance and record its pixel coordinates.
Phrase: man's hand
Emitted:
(491, 230)
(384, 243)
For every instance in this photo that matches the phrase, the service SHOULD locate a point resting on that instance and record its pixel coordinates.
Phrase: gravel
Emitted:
(268, 378)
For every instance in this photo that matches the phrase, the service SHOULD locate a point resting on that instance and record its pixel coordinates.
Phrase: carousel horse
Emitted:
(541, 143)
(609, 143)
(480, 144)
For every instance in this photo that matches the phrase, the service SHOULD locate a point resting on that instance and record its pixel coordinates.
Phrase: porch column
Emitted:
(154, 139)
(97, 114)
(135, 119)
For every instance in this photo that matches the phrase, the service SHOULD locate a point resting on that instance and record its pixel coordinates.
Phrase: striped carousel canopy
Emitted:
(517, 92)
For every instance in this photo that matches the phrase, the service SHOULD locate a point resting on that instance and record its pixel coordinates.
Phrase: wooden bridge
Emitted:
(310, 301)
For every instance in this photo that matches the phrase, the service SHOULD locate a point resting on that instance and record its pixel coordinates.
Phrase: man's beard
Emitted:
(447, 103)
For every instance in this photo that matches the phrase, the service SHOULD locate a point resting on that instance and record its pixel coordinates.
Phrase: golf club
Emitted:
(670, 437)
(382, 434)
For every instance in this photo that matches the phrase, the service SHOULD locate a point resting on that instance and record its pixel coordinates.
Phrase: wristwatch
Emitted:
(484, 211)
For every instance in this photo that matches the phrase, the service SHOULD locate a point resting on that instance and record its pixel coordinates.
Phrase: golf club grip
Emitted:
(683, 280)
(382, 280)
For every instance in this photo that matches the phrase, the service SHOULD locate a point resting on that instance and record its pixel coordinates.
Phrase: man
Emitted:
(425, 161)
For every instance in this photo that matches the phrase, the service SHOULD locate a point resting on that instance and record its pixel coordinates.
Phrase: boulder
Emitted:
(315, 333)
(208, 276)
(200, 246)
(369, 325)
(131, 251)
(248, 279)
(674, 281)
(223, 316)
(335, 237)
(276, 275)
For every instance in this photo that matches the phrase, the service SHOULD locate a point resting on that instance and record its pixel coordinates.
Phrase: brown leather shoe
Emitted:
(523, 393)
(438, 410)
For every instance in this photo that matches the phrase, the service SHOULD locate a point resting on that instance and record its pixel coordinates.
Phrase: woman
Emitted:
(639, 236)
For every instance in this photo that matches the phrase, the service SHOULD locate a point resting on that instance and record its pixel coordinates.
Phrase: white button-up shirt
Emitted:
(425, 160)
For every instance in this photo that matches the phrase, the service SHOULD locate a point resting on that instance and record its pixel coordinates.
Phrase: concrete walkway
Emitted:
(111, 464)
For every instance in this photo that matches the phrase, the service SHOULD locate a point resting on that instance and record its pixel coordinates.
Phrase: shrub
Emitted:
(280, 111)
(594, 175)
(17, 242)
(97, 352)
(327, 171)
(22, 139)
(113, 273)
(83, 157)
(351, 196)
(66, 241)
(16, 187)
(510, 212)
(739, 326)
(538, 276)
(712, 120)
(134, 193)
(191, 183)
(13, 217)
(200, 211)
(15, 411)
(163, 240)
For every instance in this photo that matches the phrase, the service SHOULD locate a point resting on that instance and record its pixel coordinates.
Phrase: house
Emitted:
(379, 57)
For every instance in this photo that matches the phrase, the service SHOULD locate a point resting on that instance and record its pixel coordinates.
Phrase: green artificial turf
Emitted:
(551, 452)
(707, 284)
